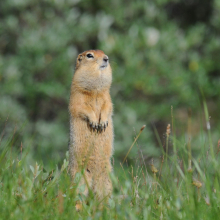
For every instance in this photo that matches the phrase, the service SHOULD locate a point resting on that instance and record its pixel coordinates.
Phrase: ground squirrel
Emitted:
(91, 129)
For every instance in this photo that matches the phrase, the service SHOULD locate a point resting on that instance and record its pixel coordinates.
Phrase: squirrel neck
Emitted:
(93, 83)
(76, 88)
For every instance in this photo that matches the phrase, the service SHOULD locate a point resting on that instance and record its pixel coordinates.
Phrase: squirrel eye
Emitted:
(89, 55)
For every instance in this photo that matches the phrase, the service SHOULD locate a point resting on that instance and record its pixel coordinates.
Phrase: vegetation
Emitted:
(164, 55)
(177, 186)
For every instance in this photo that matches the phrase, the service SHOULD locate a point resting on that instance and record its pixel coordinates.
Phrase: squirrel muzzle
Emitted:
(104, 62)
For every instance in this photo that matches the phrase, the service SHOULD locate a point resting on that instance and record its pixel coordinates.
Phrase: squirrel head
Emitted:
(93, 71)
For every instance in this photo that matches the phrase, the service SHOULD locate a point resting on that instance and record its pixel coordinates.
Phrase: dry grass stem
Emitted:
(142, 128)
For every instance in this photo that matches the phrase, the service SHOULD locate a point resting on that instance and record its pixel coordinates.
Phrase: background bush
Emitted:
(163, 53)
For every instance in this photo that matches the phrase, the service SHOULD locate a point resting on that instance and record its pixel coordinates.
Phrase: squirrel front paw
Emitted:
(99, 127)
(93, 125)
(103, 125)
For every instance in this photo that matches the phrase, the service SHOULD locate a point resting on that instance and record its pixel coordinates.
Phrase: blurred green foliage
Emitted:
(163, 53)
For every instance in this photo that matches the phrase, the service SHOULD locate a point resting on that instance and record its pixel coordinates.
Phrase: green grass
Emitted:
(178, 185)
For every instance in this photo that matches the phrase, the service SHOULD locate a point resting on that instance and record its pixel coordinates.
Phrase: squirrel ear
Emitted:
(79, 59)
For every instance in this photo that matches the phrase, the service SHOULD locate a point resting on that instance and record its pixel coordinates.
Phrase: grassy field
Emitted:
(163, 53)
(175, 186)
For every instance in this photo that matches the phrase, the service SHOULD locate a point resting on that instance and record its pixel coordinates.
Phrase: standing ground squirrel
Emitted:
(91, 128)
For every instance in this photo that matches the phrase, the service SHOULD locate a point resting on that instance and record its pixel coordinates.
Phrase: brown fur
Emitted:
(91, 129)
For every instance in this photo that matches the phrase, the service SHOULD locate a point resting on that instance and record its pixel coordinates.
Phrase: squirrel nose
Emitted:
(105, 59)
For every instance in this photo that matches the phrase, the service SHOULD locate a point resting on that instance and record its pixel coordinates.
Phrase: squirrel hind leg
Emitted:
(102, 187)
(84, 181)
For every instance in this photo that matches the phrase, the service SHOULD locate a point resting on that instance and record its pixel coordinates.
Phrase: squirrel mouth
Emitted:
(103, 66)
